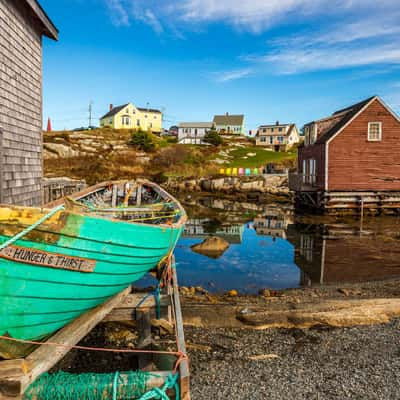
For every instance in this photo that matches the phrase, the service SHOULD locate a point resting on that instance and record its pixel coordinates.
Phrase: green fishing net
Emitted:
(89, 386)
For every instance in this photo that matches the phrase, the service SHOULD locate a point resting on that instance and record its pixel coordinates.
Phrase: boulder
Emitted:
(213, 247)
(61, 150)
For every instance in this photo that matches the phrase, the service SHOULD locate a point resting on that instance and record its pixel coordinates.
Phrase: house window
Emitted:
(127, 111)
(272, 129)
(263, 139)
(280, 129)
(374, 131)
(264, 130)
(138, 122)
(271, 140)
(110, 121)
(280, 139)
(145, 116)
(155, 117)
(126, 121)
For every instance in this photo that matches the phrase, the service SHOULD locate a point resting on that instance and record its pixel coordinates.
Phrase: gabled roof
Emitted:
(339, 119)
(273, 126)
(114, 111)
(151, 110)
(196, 125)
(287, 133)
(228, 119)
(49, 29)
(117, 109)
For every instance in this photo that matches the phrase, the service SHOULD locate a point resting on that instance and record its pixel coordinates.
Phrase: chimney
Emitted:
(111, 107)
(277, 123)
(227, 114)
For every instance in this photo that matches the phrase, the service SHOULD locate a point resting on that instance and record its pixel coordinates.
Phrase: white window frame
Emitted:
(369, 131)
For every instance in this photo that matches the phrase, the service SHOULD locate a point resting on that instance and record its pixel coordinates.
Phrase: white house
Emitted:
(193, 132)
(278, 137)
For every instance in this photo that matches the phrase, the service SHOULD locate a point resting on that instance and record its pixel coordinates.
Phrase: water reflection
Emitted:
(270, 247)
(340, 253)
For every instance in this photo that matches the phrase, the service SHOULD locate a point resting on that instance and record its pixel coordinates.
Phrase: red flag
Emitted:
(49, 125)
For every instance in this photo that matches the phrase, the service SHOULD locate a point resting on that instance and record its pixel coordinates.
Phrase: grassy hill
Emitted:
(106, 154)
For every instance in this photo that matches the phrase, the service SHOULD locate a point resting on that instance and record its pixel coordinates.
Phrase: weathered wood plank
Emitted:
(126, 311)
(184, 365)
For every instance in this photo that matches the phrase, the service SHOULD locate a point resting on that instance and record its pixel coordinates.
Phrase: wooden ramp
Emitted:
(17, 375)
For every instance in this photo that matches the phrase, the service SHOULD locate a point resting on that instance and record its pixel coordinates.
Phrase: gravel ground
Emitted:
(347, 363)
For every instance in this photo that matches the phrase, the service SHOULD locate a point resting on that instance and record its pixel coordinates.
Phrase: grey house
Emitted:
(22, 26)
(229, 124)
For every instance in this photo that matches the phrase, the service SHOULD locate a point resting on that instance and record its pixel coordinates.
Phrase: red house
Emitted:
(351, 160)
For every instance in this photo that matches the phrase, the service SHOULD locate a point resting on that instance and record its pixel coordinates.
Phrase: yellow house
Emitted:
(128, 116)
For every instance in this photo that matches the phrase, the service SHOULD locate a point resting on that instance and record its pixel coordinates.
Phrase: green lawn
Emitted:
(261, 158)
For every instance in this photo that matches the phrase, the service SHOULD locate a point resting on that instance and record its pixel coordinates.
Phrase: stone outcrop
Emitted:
(268, 184)
(75, 144)
(213, 247)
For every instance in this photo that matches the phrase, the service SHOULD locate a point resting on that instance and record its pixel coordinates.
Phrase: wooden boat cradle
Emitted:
(17, 375)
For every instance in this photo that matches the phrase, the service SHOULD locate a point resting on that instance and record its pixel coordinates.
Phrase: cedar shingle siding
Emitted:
(20, 104)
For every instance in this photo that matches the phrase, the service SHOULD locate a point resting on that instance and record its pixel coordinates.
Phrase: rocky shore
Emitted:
(245, 362)
(273, 185)
(347, 363)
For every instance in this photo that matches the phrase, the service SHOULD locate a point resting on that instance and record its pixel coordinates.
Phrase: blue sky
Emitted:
(287, 60)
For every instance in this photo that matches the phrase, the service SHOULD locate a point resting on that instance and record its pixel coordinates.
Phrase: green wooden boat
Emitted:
(76, 253)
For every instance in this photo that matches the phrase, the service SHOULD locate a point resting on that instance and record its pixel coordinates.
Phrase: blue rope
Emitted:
(161, 393)
(157, 296)
(115, 385)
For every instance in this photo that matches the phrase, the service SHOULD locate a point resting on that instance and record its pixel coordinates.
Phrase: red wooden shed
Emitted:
(351, 159)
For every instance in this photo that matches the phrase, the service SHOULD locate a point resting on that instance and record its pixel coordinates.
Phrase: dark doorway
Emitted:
(277, 147)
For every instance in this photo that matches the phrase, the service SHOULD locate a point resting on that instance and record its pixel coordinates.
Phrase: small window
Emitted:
(374, 131)
(145, 116)
(155, 117)
(138, 122)
(280, 129)
(264, 130)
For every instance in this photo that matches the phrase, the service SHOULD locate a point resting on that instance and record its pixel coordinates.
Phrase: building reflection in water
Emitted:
(273, 224)
(204, 227)
(338, 253)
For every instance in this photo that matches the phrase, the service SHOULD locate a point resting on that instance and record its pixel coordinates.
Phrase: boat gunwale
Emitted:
(93, 189)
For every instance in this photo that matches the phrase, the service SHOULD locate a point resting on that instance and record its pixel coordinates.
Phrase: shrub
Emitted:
(143, 141)
(171, 156)
(213, 138)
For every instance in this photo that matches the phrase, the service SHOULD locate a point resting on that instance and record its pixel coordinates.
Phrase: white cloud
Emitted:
(289, 61)
(368, 41)
(227, 76)
(118, 12)
(148, 17)
(260, 15)
(342, 33)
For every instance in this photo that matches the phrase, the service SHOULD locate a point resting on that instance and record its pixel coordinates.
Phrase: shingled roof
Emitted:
(49, 29)
(339, 119)
(227, 119)
(117, 109)
(114, 111)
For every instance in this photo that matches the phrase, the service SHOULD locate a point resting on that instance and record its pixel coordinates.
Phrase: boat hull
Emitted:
(36, 300)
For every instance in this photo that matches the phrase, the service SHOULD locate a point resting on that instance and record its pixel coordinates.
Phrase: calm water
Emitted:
(269, 247)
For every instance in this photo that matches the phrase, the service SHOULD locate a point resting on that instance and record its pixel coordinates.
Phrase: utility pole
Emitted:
(90, 113)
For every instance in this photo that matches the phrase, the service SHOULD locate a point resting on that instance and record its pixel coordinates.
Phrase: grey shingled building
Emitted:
(22, 26)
